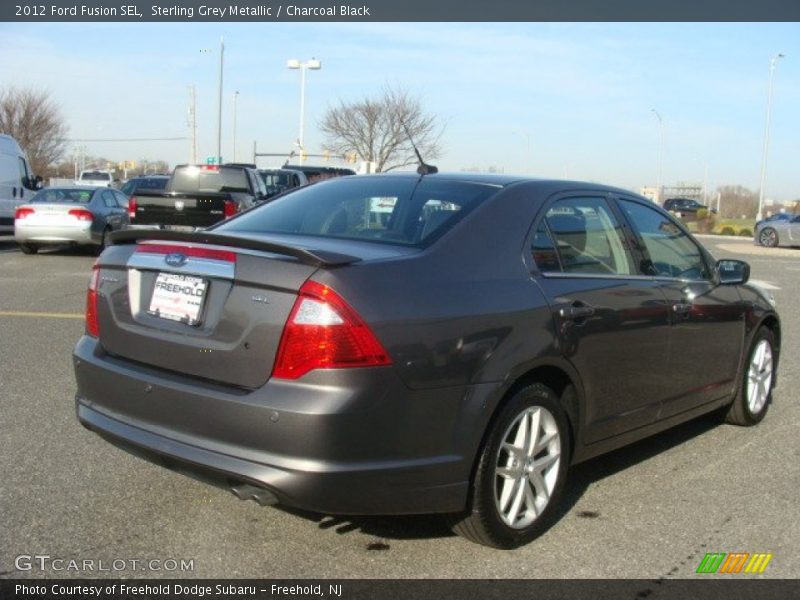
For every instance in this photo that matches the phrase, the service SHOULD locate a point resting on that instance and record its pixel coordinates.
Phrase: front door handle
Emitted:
(574, 313)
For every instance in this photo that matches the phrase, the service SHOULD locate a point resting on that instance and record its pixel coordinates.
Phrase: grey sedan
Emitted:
(76, 215)
(779, 232)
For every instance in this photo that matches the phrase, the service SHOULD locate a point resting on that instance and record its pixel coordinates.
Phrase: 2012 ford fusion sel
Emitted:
(406, 343)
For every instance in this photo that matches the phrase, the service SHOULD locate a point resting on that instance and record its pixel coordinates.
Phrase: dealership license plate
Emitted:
(178, 297)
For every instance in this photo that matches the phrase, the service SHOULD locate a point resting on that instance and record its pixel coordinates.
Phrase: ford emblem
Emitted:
(176, 259)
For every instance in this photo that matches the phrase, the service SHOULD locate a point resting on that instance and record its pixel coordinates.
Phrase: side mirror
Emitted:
(732, 271)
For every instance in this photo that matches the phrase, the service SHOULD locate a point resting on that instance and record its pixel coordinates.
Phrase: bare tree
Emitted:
(373, 128)
(737, 201)
(34, 120)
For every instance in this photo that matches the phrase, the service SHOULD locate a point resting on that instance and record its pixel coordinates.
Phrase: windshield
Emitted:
(63, 195)
(391, 210)
(193, 179)
(95, 176)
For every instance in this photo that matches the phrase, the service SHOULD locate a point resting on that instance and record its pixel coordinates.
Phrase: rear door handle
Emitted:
(573, 313)
(681, 308)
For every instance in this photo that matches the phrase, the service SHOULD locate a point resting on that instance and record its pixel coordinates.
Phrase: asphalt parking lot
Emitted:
(651, 510)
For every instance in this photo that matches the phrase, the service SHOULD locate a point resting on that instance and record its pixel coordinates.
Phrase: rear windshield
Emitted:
(95, 176)
(65, 195)
(192, 179)
(144, 183)
(394, 210)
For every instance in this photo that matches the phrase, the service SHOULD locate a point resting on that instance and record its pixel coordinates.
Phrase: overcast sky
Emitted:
(579, 95)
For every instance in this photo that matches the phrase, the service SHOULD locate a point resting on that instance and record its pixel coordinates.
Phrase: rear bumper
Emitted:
(347, 442)
(54, 234)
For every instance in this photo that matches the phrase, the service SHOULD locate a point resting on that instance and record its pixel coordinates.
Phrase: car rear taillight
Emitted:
(21, 213)
(81, 214)
(230, 208)
(324, 332)
(92, 326)
(132, 206)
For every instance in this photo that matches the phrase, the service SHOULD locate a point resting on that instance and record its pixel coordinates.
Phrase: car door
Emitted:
(122, 206)
(111, 211)
(793, 230)
(612, 323)
(707, 319)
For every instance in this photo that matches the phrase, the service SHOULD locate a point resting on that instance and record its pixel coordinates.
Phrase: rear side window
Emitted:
(193, 179)
(671, 252)
(108, 199)
(396, 210)
(587, 236)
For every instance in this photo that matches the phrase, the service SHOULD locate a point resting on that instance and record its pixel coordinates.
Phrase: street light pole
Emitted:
(314, 65)
(773, 62)
(235, 97)
(660, 154)
(219, 113)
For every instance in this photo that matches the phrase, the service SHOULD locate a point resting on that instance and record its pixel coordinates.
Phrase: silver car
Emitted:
(76, 215)
(784, 232)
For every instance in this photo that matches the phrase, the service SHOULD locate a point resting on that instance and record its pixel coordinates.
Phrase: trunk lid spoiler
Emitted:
(315, 258)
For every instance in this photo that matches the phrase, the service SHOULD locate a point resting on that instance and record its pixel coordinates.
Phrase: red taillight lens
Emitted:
(81, 214)
(230, 208)
(324, 332)
(92, 326)
(132, 206)
(21, 213)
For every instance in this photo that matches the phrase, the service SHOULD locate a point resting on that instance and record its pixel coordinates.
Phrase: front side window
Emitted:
(23, 170)
(672, 253)
(587, 236)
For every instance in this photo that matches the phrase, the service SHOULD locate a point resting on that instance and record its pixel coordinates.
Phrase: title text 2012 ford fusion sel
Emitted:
(398, 344)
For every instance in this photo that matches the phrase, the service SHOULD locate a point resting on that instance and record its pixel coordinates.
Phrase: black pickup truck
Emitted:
(197, 196)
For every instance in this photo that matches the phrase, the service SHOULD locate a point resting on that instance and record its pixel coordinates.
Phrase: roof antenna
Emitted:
(423, 168)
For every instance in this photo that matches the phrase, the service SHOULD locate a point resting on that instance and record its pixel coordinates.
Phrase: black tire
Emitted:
(768, 237)
(28, 248)
(748, 410)
(484, 521)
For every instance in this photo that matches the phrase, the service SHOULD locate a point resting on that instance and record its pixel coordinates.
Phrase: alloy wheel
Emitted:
(527, 467)
(768, 237)
(759, 377)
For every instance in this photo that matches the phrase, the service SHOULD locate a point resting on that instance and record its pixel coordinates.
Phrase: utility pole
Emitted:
(192, 124)
(772, 64)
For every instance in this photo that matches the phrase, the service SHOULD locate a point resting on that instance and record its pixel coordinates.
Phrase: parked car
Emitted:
(197, 196)
(95, 177)
(144, 182)
(686, 207)
(315, 173)
(17, 181)
(456, 357)
(76, 215)
(778, 232)
(278, 181)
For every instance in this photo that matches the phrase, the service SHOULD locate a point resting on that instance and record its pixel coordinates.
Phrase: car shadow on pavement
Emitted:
(580, 478)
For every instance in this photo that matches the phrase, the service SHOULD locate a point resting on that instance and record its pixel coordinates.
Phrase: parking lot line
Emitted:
(46, 315)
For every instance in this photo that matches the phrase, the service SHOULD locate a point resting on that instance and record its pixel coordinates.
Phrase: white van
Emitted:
(17, 183)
